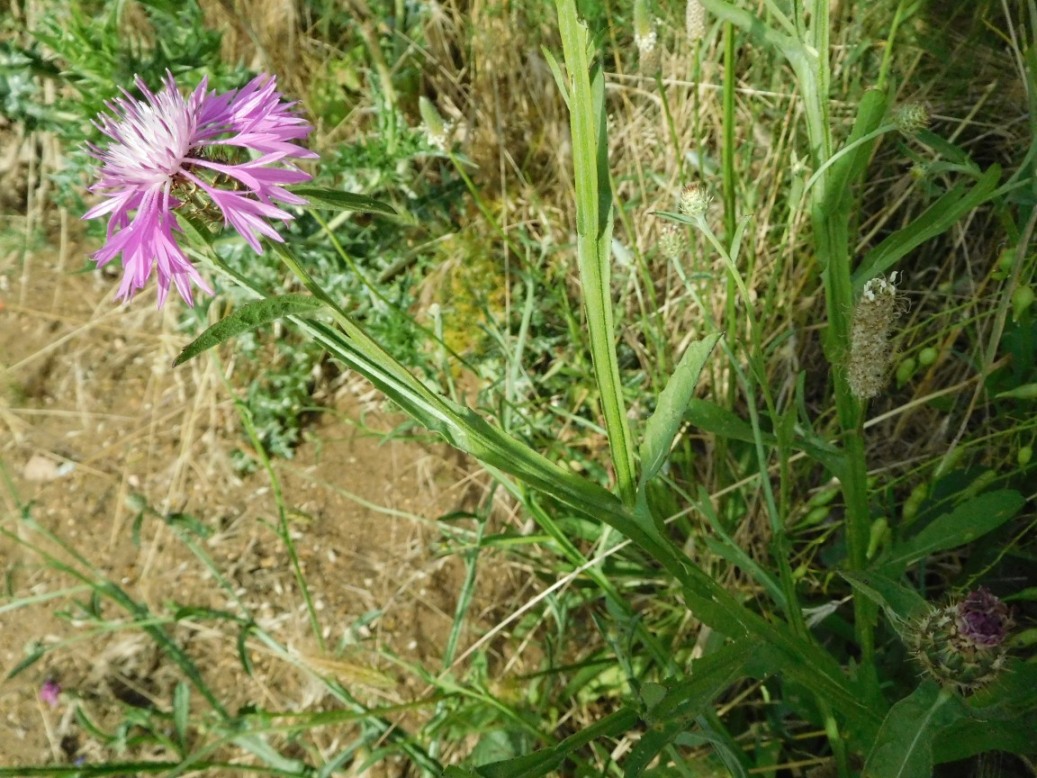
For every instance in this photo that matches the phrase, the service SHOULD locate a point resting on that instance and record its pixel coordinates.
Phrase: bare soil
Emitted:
(108, 450)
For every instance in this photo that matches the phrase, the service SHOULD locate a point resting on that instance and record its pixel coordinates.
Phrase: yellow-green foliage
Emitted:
(468, 284)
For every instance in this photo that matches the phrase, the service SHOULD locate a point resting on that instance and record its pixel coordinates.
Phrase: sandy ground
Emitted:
(102, 442)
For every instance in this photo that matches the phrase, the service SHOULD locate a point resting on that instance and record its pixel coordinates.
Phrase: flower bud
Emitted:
(694, 201)
(672, 242)
(1022, 299)
(962, 645)
(911, 118)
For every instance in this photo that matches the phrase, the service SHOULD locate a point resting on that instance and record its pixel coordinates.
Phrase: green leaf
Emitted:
(852, 164)
(666, 421)
(35, 654)
(709, 676)
(335, 200)
(900, 603)
(671, 715)
(968, 738)
(181, 711)
(547, 760)
(710, 417)
(594, 234)
(713, 418)
(936, 220)
(248, 317)
(904, 746)
(970, 520)
(1001, 717)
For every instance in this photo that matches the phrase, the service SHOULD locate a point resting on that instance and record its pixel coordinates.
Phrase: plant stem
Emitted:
(830, 219)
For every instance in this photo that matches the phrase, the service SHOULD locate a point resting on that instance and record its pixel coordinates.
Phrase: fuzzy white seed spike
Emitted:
(695, 21)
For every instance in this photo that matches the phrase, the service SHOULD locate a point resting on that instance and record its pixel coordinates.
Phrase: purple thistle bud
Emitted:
(164, 151)
(983, 619)
(960, 645)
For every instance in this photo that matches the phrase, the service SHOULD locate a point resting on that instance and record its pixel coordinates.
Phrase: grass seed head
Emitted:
(645, 36)
(695, 21)
(871, 352)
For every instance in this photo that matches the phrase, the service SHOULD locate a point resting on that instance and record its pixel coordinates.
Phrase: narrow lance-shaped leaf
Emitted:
(970, 520)
(666, 421)
(594, 234)
(936, 220)
(342, 201)
(248, 317)
(900, 603)
(674, 712)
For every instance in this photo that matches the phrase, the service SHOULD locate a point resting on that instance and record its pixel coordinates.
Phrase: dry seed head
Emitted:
(694, 201)
(871, 352)
(695, 21)
(910, 118)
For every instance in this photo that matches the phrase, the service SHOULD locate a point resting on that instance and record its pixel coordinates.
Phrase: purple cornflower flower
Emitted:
(50, 692)
(166, 150)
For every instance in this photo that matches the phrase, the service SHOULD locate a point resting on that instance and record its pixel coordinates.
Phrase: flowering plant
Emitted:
(166, 150)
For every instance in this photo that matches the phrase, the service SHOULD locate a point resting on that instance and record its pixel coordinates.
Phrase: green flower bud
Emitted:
(694, 201)
(914, 502)
(911, 118)
(672, 242)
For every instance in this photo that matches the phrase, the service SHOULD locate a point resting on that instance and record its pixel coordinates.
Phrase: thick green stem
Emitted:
(830, 218)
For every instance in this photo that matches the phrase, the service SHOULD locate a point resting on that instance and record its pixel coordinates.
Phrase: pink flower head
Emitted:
(50, 692)
(167, 148)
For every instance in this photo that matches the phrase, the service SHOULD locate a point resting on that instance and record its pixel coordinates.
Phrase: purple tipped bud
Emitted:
(983, 619)
(961, 645)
